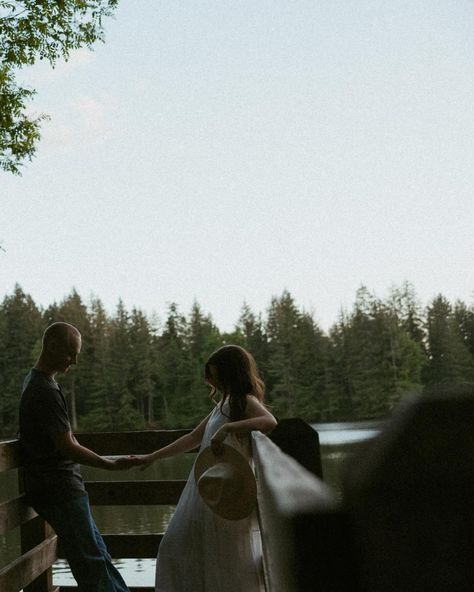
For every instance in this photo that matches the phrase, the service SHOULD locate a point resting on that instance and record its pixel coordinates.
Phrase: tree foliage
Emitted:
(32, 30)
(135, 373)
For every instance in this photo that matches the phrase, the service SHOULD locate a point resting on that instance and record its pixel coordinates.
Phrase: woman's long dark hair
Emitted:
(234, 373)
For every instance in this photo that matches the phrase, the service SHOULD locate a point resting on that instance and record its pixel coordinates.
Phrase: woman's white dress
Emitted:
(202, 552)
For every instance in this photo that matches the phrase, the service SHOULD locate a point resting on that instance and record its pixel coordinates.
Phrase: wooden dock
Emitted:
(405, 522)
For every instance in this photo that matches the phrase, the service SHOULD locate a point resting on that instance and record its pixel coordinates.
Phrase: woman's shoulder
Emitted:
(253, 401)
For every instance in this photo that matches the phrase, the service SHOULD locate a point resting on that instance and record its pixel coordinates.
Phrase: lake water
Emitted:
(339, 441)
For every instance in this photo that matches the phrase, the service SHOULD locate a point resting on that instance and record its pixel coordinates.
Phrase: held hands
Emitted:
(122, 463)
(127, 462)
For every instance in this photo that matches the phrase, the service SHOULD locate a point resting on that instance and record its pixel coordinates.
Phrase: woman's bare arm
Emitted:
(184, 444)
(257, 417)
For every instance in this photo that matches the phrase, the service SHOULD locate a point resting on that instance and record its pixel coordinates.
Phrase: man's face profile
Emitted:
(67, 351)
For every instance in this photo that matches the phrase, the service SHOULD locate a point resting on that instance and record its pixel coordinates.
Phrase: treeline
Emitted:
(136, 372)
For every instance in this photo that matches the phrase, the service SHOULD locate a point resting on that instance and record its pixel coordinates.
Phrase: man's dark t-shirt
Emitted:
(49, 478)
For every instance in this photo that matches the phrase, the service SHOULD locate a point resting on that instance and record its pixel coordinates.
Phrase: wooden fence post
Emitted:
(296, 437)
(32, 533)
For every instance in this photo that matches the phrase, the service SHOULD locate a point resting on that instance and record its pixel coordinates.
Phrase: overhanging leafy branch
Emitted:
(34, 30)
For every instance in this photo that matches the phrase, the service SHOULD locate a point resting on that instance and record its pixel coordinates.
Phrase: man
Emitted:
(51, 457)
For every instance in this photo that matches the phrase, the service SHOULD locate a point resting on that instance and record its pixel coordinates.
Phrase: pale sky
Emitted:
(227, 150)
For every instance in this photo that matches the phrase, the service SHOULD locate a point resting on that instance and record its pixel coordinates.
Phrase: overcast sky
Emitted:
(227, 150)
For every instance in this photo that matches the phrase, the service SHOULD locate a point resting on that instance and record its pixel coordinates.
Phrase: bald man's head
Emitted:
(59, 333)
(61, 346)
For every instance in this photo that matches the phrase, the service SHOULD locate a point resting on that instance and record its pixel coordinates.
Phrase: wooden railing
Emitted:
(405, 521)
(303, 524)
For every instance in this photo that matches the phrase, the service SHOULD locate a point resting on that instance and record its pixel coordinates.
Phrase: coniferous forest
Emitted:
(136, 372)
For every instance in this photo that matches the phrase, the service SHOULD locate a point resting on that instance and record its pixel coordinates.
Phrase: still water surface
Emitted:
(339, 442)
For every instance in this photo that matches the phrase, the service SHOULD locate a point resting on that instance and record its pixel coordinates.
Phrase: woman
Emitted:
(201, 551)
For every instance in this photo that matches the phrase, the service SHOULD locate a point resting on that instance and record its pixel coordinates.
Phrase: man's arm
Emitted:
(69, 448)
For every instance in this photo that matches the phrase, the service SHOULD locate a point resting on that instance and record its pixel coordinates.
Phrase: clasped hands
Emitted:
(122, 463)
(143, 461)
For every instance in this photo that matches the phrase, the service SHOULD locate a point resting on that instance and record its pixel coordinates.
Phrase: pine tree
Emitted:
(202, 338)
(140, 382)
(464, 321)
(404, 304)
(173, 372)
(296, 361)
(125, 414)
(340, 395)
(373, 359)
(98, 408)
(251, 333)
(449, 357)
(21, 329)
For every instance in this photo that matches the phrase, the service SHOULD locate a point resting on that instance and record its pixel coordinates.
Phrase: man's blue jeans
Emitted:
(83, 546)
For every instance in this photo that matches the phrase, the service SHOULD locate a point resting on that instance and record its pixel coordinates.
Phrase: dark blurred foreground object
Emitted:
(307, 534)
(298, 439)
(410, 497)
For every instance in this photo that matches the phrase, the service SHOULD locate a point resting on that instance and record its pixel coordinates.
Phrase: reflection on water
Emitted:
(329, 438)
(136, 572)
(346, 433)
(339, 442)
